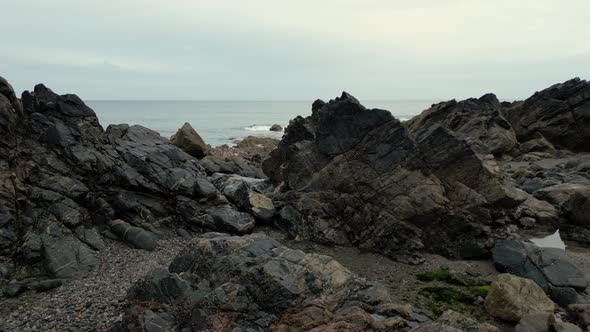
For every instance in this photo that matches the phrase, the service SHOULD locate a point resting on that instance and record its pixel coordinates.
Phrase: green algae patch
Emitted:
(436, 275)
(481, 290)
(448, 295)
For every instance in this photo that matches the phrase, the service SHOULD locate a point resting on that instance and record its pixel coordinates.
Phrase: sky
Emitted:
(293, 50)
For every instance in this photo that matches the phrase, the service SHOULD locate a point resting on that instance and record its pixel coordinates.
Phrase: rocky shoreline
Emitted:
(353, 221)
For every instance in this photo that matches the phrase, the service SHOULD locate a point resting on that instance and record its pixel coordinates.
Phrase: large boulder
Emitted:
(480, 120)
(550, 268)
(253, 283)
(188, 140)
(560, 114)
(356, 176)
(510, 298)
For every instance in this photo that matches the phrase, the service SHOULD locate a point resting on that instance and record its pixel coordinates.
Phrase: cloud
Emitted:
(269, 49)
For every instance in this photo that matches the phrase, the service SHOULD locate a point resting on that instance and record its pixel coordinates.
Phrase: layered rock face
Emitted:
(64, 180)
(550, 268)
(560, 114)
(252, 283)
(354, 175)
(480, 120)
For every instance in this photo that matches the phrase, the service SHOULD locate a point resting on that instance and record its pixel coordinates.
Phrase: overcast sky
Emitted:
(293, 49)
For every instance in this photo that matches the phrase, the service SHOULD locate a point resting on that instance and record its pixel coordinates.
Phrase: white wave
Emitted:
(258, 128)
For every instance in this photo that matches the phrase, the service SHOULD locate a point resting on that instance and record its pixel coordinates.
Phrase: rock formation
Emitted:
(357, 176)
(252, 283)
(479, 120)
(188, 140)
(550, 268)
(560, 114)
(64, 180)
(457, 180)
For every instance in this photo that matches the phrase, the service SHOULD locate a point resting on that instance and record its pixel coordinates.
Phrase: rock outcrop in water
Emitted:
(64, 181)
(352, 175)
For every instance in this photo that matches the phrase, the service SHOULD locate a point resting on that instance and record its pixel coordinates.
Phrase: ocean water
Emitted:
(223, 122)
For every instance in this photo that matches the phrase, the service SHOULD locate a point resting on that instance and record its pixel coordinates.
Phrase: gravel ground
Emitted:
(92, 303)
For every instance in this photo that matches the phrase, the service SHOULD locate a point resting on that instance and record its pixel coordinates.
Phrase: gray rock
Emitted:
(563, 296)
(248, 194)
(479, 119)
(66, 256)
(155, 323)
(558, 114)
(90, 236)
(137, 237)
(264, 285)
(204, 188)
(161, 286)
(548, 267)
(228, 219)
(510, 298)
(276, 127)
(14, 289)
(184, 233)
(45, 285)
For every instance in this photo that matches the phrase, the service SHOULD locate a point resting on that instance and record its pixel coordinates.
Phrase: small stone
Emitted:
(14, 289)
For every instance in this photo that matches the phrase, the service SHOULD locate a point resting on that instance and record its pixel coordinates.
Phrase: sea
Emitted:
(225, 122)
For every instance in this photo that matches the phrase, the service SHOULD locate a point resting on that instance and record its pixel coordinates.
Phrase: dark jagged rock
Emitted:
(188, 140)
(64, 180)
(560, 114)
(550, 268)
(276, 127)
(356, 176)
(480, 120)
(252, 283)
